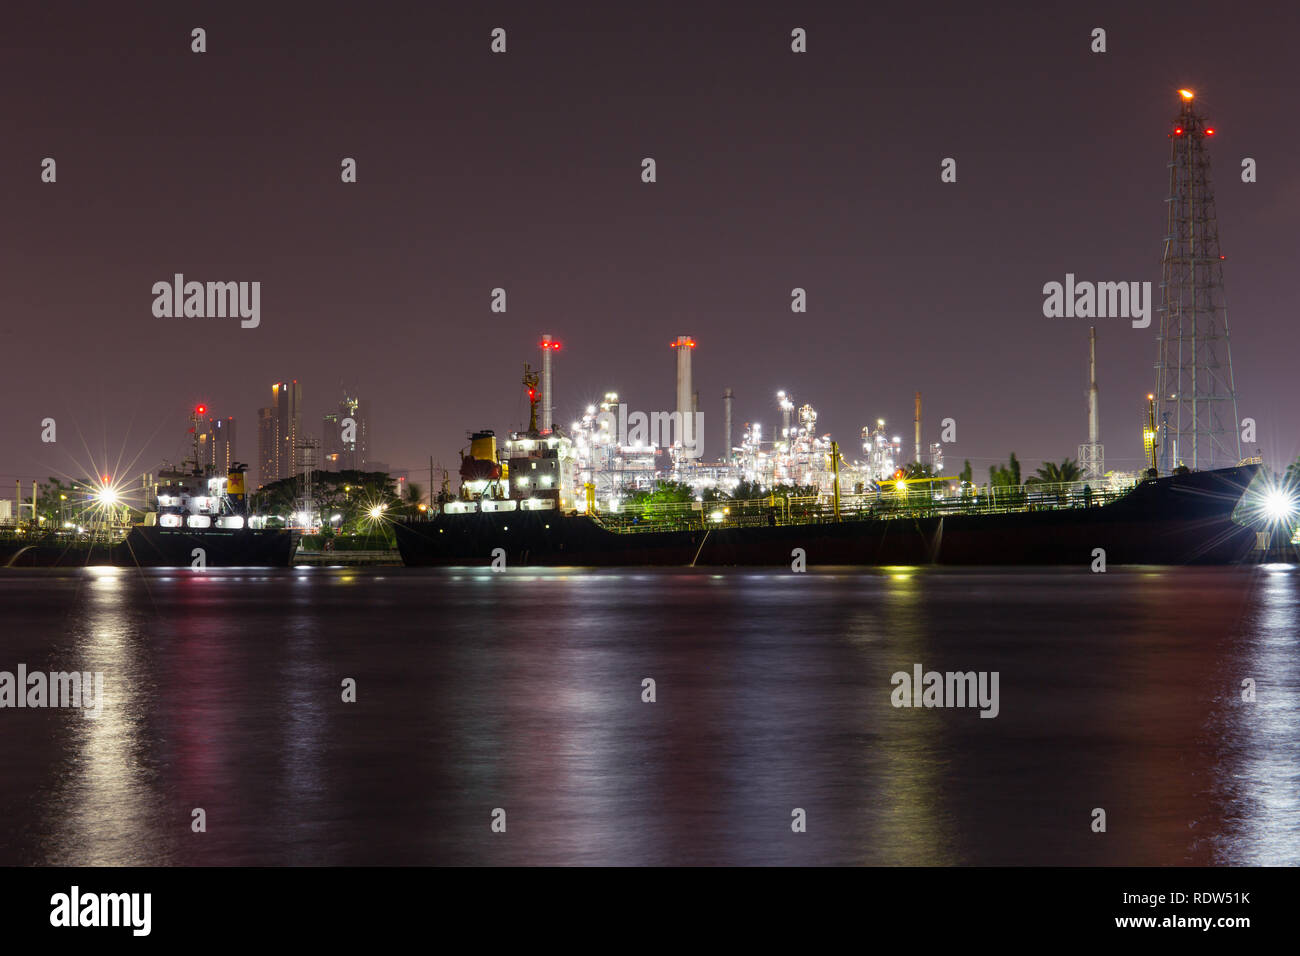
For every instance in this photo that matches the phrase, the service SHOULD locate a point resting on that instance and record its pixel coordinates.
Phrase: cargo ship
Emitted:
(197, 520)
(203, 521)
(527, 507)
(1177, 519)
(200, 521)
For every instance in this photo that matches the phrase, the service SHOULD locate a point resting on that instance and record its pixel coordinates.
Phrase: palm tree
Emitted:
(1051, 473)
(414, 495)
(1291, 478)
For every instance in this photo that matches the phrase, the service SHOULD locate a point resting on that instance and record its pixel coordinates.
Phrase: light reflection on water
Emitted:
(103, 791)
(1260, 780)
(523, 691)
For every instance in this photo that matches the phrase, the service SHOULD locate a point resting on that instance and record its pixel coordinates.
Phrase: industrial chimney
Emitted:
(685, 391)
(727, 399)
(918, 428)
(549, 345)
(1094, 423)
(1092, 455)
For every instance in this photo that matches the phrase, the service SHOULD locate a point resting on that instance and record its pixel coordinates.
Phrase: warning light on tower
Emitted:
(201, 410)
(1186, 94)
(1209, 132)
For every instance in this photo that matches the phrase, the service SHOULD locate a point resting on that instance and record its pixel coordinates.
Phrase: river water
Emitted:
(522, 693)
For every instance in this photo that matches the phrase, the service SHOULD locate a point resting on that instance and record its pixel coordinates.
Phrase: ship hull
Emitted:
(51, 553)
(153, 546)
(1179, 519)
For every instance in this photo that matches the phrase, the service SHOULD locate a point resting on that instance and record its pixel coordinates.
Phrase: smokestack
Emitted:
(727, 399)
(1094, 423)
(549, 345)
(918, 427)
(685, 392)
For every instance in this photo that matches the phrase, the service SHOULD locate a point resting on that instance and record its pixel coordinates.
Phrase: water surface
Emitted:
(523, 691)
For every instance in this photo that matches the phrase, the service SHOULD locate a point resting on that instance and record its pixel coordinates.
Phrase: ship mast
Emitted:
(196, 421)
(530, 383)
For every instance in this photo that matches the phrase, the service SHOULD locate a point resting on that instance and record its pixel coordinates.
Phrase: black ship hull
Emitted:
(153, 546)
(1179, 519)
(51, 552)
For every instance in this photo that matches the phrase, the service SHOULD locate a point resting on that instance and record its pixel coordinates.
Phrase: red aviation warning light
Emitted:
(1178, 131)
(200, 409)
(553, 346)
(1209, 132)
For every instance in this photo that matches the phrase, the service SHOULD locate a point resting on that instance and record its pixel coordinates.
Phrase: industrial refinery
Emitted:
(611, 451)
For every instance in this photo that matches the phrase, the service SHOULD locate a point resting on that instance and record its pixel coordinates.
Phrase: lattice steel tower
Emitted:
(1196, 397)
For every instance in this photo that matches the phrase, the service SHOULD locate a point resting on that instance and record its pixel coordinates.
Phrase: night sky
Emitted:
(523, 171)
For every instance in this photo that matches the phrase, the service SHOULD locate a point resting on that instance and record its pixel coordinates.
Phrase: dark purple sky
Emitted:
(523, 171)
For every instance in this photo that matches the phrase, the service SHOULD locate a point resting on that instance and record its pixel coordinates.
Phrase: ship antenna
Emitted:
(196, 421)
(530, 382)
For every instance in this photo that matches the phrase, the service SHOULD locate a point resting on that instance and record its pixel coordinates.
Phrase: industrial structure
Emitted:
(1195, 395)
(728, 449)
(917, 421)
(549, 346)
(883, 455)
(1092, 455)
(611, 453)
(686, 401)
